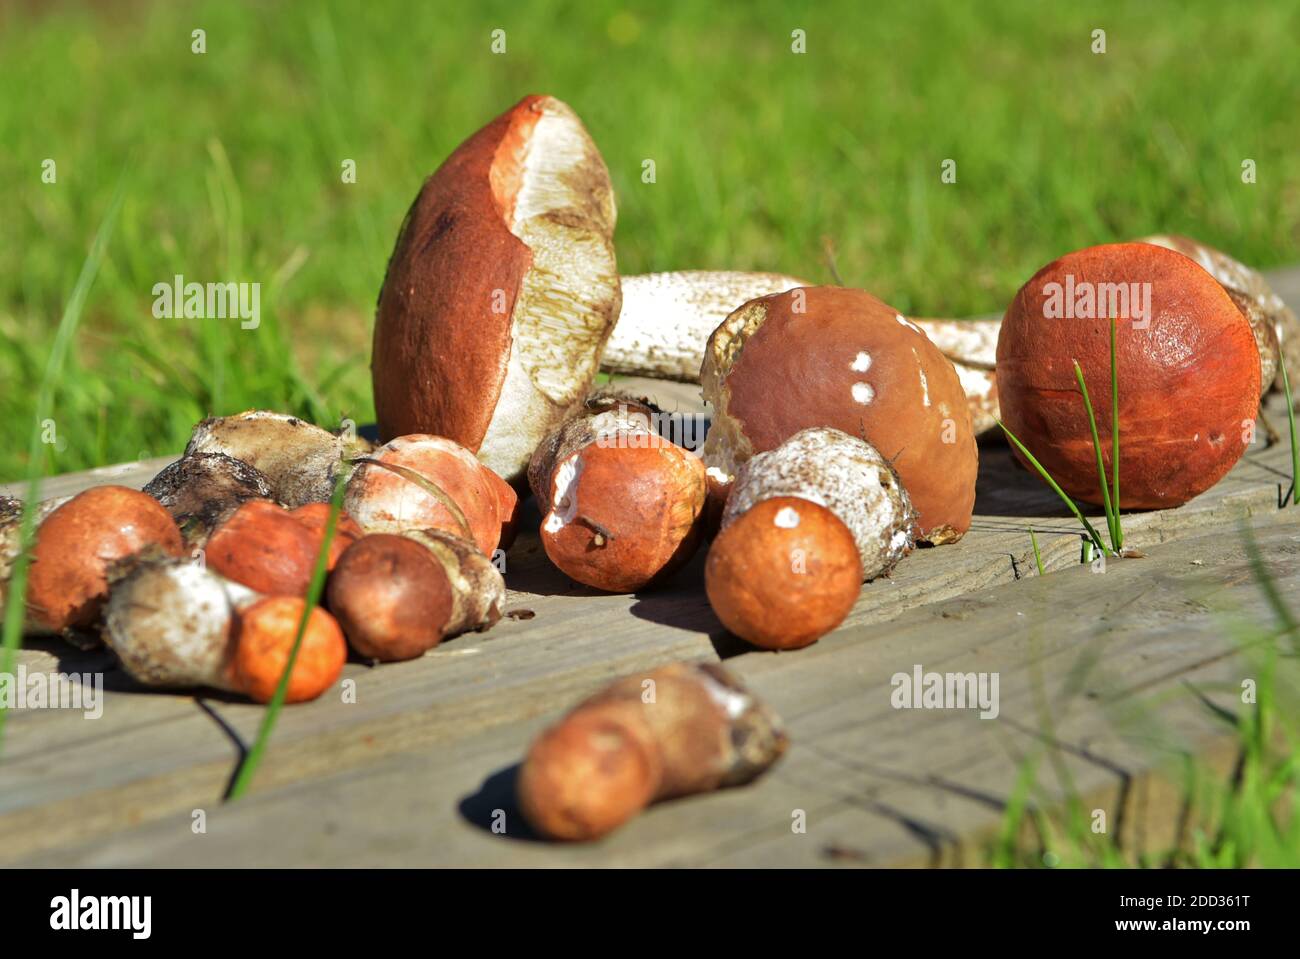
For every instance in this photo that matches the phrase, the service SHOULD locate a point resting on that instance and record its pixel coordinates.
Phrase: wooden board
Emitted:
(411, 772)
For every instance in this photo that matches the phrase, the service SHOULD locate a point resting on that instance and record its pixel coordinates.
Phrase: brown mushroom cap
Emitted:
(1188, 382)
(265, 632)
(830, 356)
(273, 550)
(391, 596)
(428, 482)
(784, 574)
(79, 545)
(502, 288)
(590, 773)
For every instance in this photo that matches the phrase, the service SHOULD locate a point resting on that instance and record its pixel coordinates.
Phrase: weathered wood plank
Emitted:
(879, 786)
(155, 753)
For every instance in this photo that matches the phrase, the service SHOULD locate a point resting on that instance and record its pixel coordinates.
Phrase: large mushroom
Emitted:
(837, 357)
(502, 289)
(1187, 362)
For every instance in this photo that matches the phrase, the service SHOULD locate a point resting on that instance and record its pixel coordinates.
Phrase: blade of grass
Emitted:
(1047, 477)
(1114, 429)
(16, 600)
(1290, 416)
(1038, 557)
(253, 758)
(1096, 448)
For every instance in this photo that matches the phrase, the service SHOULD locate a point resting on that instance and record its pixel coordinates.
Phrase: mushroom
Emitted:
(397, 597)
(667, 319)
(82, 545)
(202, 490)
(683, 729)
(831, 356)
(1188, 372)
(501, 290)
(299, 461)
(430, 482)
(805, 524)
(177, 625)
(273, 550)
(266, 632)
(623, 506)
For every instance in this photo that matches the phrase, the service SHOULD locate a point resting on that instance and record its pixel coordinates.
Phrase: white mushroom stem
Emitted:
(478, 590)
(171, 624)
(667, 319)
(844, 474)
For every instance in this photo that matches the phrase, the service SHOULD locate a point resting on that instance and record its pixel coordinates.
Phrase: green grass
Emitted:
(1094, 538)
(1038, 556)
(235, 161)
(16, 588)
(1249, 818)
(1290, 422)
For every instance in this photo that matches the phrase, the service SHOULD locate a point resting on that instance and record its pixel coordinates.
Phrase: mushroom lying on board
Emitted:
(804, 526)
(501, 290)
(832, 356)
(1187, 363)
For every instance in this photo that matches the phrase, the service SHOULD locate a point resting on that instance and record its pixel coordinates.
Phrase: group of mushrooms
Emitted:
(842, 435)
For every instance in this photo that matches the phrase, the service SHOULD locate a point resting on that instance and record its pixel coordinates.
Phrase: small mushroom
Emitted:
(81, 545)
(298, 460)
(202, 490)
(273, 550)
(397, 597)
(622, 506)
(429, 482)
(683, 729)
(804, 525)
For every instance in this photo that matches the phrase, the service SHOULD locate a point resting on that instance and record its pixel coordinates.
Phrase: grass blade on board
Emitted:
(244, 777)
(1096, 448)
(15, 602)
(1114, 430)
(1290, 416)
(1038, 557)
(1047, 477)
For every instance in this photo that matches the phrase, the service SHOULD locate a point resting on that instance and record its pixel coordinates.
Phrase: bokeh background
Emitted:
(231, 165)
